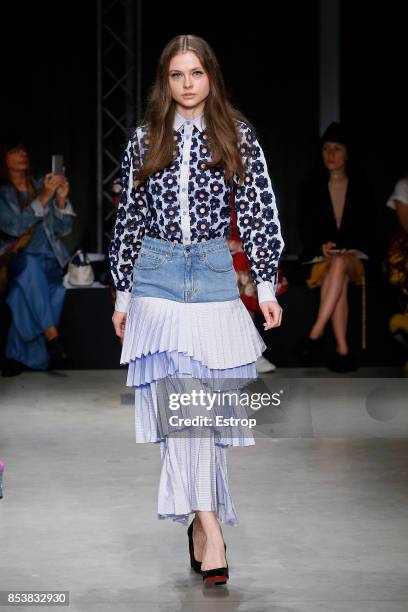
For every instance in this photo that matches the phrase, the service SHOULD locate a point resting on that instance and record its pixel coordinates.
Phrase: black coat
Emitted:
(318, 223)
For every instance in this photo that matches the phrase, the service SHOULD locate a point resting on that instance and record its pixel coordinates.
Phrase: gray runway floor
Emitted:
(322, 500)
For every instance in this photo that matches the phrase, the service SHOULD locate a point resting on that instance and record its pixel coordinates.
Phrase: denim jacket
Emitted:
(14, 221)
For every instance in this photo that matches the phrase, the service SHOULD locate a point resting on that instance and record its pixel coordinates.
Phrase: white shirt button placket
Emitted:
(183, 189)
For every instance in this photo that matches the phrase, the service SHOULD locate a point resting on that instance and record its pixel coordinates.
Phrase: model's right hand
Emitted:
(119, 322)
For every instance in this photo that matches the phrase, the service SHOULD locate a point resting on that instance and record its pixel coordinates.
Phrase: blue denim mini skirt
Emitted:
(199, 272)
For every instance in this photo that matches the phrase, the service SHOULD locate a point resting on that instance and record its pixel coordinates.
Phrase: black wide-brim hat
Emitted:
(336, 132)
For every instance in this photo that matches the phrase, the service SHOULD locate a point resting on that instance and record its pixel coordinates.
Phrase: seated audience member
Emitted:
(396, 262)
(34, 215)
(337, 239)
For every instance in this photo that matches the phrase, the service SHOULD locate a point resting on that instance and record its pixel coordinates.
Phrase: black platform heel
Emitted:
(196, 565)
(212, 576)
(219, 575)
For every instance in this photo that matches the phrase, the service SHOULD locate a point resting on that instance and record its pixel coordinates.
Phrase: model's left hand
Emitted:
(272, 313)
(62, 193)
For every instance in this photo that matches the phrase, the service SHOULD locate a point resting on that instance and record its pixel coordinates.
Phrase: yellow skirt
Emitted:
(356, 275)
(318, 271)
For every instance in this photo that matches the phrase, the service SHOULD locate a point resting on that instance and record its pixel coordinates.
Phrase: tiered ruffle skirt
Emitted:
(166, 344)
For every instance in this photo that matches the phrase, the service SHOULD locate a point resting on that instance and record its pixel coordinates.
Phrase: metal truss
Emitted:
(118, 95)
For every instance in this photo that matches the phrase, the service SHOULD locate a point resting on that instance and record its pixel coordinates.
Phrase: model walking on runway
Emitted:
(178, 310)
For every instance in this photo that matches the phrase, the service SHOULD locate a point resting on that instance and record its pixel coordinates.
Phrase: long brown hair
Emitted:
(5, 178)
(219, 114)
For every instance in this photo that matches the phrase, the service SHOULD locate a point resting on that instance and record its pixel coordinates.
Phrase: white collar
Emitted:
(179, 121)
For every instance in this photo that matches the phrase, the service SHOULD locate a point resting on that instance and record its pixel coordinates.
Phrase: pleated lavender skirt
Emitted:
(168, 343)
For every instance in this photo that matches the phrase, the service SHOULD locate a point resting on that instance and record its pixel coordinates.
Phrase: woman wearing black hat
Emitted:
(335, 231)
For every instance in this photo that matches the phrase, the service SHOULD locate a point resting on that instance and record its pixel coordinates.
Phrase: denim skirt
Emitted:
(186, 322)
(200, 272)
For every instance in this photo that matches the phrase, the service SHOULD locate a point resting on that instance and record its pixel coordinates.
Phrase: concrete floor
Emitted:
(323, 516)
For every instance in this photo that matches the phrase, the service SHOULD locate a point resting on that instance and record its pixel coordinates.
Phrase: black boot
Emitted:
(343, 363)
(56, 349)
(58, 356)
(12, 368)
(310, 351)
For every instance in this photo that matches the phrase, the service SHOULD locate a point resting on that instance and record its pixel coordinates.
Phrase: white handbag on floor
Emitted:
(80, 272)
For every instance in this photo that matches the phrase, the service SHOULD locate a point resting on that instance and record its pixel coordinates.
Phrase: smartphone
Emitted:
(57, 165)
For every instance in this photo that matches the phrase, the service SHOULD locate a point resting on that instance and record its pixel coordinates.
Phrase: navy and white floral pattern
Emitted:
(153, 208)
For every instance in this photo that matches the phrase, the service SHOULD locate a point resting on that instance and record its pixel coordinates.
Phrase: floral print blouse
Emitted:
(188, 203)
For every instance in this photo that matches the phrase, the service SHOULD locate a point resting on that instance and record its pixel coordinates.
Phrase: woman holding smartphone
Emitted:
(35, 213)
(178, 309)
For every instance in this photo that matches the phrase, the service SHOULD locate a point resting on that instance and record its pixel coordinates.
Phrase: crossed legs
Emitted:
(333, 301)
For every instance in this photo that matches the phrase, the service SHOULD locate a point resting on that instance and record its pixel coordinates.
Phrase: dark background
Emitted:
(269, 53)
